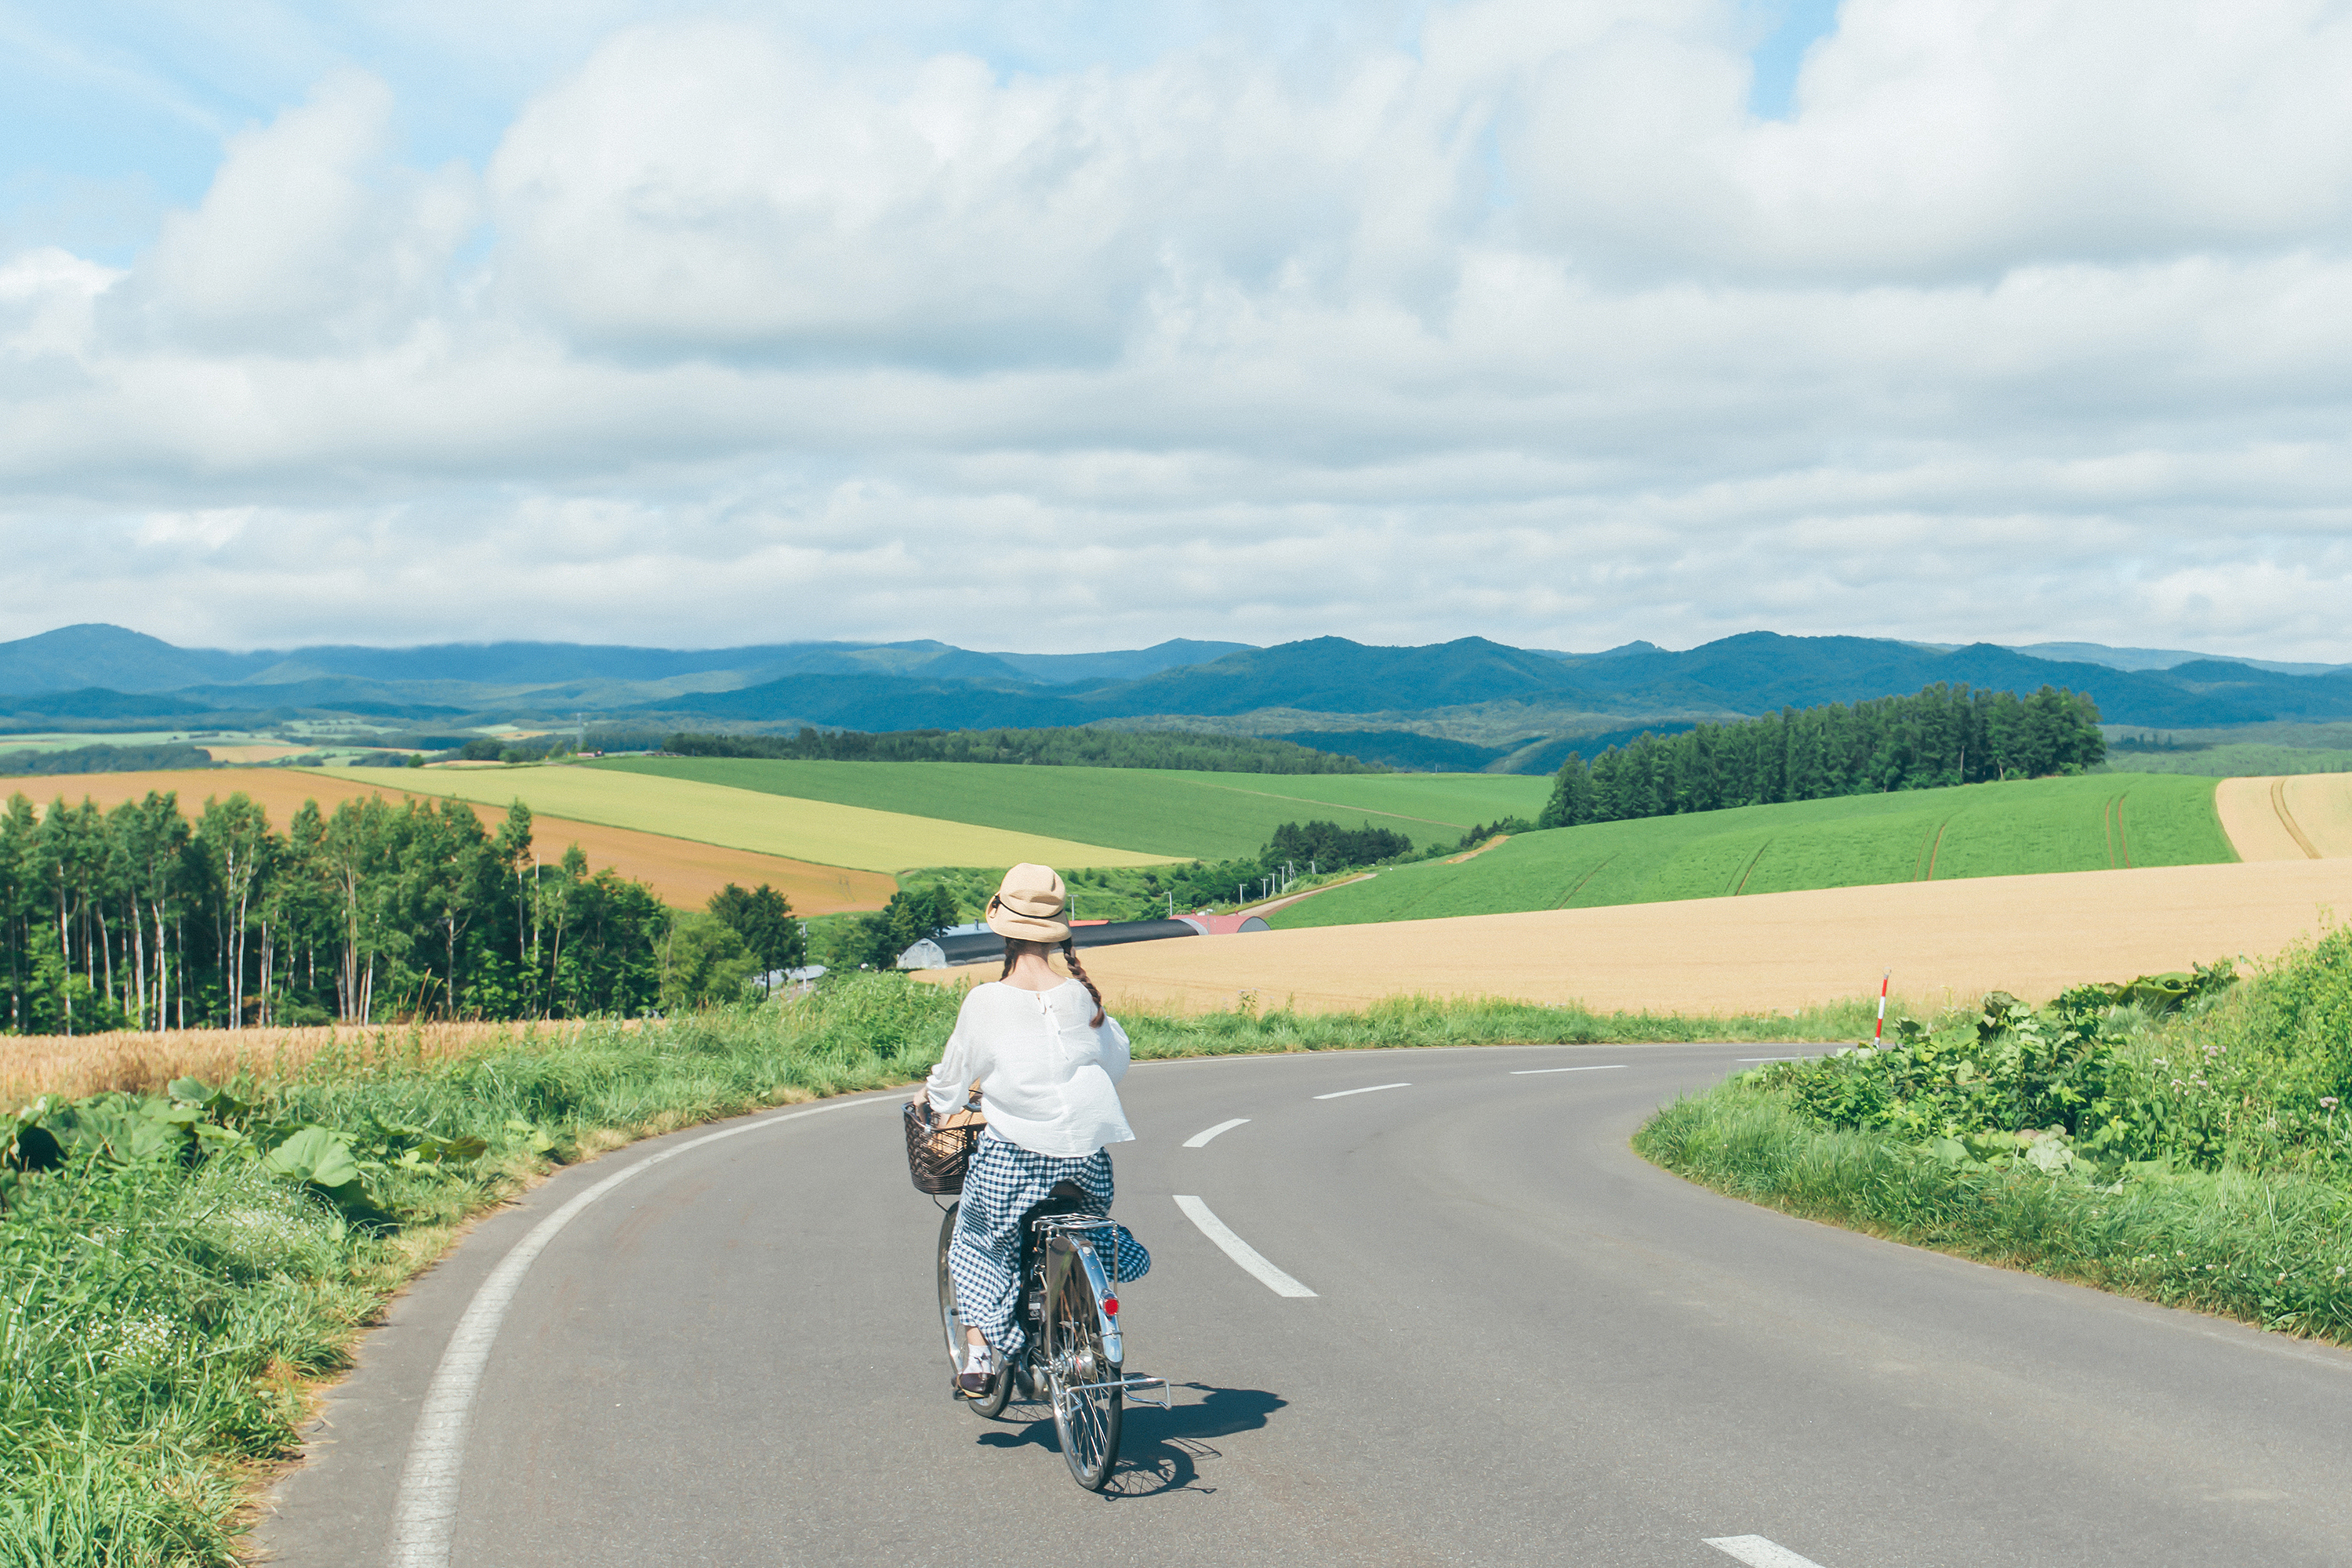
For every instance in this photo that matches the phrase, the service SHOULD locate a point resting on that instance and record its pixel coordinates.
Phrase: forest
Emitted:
(142, 918)
(104, 759)
(1943, 735)
(1067, 747)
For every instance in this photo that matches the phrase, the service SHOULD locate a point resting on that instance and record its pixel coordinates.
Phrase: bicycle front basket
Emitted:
(939, 1151)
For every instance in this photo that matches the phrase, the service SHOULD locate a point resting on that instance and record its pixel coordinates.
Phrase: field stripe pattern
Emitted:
(1167, 814)
(682, 872)
(818, 831)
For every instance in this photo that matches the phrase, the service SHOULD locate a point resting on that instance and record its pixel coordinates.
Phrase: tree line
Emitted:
(1296, 849)
(103, 759)
(1066, 747)
(1944, 735)
(144, 918)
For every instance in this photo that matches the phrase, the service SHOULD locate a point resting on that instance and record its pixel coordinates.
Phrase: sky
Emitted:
(1049, 326)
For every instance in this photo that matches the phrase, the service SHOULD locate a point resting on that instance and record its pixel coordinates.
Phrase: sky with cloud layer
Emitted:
(1051, 326)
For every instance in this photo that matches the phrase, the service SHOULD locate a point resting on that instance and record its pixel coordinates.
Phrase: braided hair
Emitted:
(1015, 949)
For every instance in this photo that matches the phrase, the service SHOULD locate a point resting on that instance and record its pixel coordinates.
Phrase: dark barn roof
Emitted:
(987, 947)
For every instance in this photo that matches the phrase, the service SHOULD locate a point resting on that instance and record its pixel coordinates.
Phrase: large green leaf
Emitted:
(316, 1156)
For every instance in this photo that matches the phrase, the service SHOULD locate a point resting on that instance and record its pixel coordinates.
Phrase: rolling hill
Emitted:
(822, 832)
(1187, 815)
(2095, 822)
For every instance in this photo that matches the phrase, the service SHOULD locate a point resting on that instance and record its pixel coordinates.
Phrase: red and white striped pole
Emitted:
(1879, 1034)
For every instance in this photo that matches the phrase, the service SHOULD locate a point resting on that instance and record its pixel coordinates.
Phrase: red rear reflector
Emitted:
(1110, 1306)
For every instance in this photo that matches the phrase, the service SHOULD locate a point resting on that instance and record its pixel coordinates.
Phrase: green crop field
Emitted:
(1202, 815)
(2093, 823)
(801, 829)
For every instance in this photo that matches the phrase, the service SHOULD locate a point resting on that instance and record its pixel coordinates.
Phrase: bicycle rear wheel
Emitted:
(999, 1392)
(1082, 1379)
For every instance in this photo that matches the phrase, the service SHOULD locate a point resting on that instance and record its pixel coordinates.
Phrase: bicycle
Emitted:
(1075, 1355)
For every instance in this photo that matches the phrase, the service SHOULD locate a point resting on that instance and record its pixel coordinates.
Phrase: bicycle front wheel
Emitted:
(1081, 1378)
(999, 1392)
(949, 1320)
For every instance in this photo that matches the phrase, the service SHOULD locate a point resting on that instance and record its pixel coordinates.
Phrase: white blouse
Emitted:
(1045, 1073)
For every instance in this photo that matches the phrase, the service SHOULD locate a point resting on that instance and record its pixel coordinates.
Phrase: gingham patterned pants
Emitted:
(985, 1258)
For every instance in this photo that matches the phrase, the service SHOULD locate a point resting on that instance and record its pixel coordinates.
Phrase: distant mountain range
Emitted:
(1466, 703)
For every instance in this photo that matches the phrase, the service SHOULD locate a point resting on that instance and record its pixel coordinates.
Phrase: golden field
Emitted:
(2298, 816)
(2031, 935)
(144, 1061)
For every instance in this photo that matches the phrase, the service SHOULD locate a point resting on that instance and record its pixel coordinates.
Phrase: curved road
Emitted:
(1525, 1345)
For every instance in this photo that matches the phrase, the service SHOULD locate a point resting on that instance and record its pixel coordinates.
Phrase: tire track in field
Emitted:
(2111, 825)
(1935, 849)
(1586, 878)
(2286, 820)
(1750, 871)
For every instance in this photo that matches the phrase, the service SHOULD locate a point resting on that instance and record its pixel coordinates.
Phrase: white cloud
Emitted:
(311, 238)
(2030, 323)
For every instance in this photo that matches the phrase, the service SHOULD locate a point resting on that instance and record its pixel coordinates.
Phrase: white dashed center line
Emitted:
(1368, 1088)
(1240, 1251)
(1530, 1072)
(1198, 1138)
(1758, 1552)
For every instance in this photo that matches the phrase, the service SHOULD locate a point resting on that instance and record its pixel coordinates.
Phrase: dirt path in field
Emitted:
(2031, 935)
(2299, 816)
(681, 871)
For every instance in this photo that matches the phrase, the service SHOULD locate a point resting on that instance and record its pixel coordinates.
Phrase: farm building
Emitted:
(978, 944)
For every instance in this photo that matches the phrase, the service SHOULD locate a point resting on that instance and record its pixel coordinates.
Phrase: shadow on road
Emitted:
(1158, 1451)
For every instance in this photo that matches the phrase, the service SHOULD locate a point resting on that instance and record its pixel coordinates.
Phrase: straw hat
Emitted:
(1028, 905)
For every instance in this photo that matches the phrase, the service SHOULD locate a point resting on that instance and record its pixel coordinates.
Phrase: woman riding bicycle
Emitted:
(1045, 1057)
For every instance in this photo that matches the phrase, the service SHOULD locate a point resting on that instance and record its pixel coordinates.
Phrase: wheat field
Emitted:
(2296, 816)
(144, 1061)
(2032, 935)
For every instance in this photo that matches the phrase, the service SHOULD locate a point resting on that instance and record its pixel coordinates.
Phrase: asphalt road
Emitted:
(1526, 1345)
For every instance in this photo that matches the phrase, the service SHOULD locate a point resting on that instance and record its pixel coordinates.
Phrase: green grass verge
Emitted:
(1202, 815)
(2200, 1158)
(2270, 1250)
(164, 1312)
(2091, 822)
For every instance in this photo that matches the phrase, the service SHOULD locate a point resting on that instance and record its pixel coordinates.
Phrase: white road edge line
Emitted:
(1240, 1251)
(1530, 1072)
(1369, 1088)
(425, 1512)
(1199, 1139)
(1758, 1552)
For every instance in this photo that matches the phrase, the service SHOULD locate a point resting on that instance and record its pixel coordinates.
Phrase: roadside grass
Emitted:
(827, 832)
(2270, 1250)
(2090, 823)
(177, 1282)
(2200, 1158)
(1168, 812)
